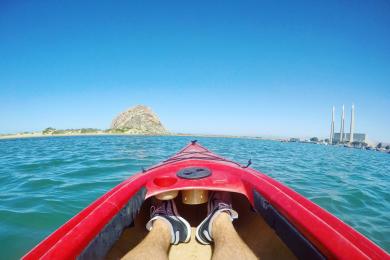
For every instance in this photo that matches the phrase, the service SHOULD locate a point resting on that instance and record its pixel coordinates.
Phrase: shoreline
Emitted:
(37, 135)
(40, 134)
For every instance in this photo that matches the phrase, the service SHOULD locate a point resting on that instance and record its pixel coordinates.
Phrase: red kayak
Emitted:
(274, 221)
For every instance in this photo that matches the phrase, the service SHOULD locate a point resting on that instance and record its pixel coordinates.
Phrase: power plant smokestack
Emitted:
(332, 128)
(342, 126)
(351, 128)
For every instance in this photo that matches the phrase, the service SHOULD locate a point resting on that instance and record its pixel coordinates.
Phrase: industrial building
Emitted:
(357, 137)
(343, 137)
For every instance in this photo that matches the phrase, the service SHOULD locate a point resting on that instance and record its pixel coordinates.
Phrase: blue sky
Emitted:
(269, 68)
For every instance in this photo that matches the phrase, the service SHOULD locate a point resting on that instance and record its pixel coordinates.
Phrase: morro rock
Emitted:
(138, 120)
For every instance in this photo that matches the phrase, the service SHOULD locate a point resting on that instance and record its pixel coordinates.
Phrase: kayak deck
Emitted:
(251, 227)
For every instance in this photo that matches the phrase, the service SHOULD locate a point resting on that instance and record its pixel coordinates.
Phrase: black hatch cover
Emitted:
(193, 173)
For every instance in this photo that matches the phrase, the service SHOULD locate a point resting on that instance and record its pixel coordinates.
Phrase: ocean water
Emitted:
(46, 181)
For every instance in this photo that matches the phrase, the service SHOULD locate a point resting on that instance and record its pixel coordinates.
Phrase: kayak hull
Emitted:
(307, 229)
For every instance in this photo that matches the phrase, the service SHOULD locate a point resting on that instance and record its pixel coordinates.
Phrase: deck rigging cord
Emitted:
(181, 156)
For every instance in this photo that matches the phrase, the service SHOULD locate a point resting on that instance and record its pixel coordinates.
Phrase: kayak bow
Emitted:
(281, 224)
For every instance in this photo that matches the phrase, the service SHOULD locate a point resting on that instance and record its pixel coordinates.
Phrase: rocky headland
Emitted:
(138, 120)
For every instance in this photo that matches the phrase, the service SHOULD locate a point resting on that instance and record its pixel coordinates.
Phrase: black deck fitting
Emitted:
(194, 142)
(249, 163)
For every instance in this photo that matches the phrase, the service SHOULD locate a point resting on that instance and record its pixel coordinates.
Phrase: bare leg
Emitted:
(227, 243)
(155, 245)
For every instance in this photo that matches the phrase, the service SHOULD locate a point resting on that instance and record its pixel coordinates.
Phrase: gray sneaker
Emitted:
(218, 202)
(167, 211)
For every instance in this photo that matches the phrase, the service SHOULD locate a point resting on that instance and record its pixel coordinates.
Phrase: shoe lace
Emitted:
(162, 209)
(221, 204)
(224, 205)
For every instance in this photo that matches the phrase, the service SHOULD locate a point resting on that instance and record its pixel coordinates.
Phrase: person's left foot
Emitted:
(219, 201)
(167, 211)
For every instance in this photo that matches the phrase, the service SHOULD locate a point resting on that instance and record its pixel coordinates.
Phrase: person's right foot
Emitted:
(218, 202)
(166, 210)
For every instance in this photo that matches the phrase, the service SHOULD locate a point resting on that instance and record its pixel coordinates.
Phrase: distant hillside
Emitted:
(53, 131)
